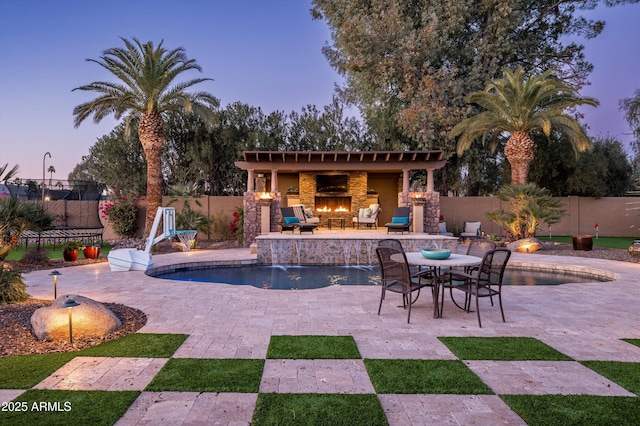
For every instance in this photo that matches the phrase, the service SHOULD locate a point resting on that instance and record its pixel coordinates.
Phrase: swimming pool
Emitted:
(319, 276)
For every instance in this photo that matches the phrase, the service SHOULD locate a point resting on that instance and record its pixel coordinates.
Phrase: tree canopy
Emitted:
(520, 106)
(146, 88)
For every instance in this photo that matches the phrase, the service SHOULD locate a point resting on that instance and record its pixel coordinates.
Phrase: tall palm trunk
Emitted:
(520, 150)
(151, 132)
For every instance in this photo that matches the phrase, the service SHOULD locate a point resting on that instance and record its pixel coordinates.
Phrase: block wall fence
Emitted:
(615, 216)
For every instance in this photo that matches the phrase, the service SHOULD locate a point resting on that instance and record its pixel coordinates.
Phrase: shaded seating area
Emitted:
(400, 222)
(485, 282)
(291, 222)
(367, 216)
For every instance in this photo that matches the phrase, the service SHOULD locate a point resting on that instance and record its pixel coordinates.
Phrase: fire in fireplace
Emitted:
(333, 204)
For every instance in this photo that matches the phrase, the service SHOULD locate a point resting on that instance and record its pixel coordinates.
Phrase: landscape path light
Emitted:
(55, 282)
(69, 304)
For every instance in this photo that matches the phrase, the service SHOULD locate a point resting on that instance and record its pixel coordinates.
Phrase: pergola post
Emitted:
(250, 180)
(429, 180)
(274, 180)
(405, 180)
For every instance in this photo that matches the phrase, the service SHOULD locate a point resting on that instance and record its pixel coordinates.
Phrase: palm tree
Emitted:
(520, 107)
(51, 171)
(146, 89)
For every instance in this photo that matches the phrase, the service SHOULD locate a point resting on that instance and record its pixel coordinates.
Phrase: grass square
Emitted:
(626, 374)
(209, 375)
(633, 341)
(62, 407)
(408, 376)
(138, 345)
(313, 347)
(575, 410)
(284, 409)
(502, 349)
(26, 371)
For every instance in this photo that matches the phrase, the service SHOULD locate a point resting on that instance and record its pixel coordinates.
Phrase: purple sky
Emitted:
(263, 53)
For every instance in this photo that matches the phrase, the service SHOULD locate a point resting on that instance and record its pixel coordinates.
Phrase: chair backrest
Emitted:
(472, 228)
(298, 212)
(479, 248)
(392, 243)
(402, 212)
(492, 268)
(287, 212)
(390, 270)
(375, 209)
(442, 227)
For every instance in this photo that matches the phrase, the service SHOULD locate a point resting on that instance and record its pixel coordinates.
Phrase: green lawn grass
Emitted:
(502, 349)
(626, 374)
(575, 410)
(284, 409)
(607, 242)
(312, 347)
(23, 372)
(62, 407)
(209, 375)
(418, 376)
(53, 252)
(635, 342)
(138, 345)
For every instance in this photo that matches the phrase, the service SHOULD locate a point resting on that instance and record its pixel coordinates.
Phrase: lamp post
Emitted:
(55, 283)
(69, 304)
(42, 205)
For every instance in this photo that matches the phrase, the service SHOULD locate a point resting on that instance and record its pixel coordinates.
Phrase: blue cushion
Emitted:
(289, 220)
(400, 220)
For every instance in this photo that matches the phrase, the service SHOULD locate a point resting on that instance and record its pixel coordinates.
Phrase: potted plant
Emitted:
(91, 250)
(293, 190)
(70, 250)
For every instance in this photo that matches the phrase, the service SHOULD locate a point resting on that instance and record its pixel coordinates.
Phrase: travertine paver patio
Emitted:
(584, 321)
(99, 373)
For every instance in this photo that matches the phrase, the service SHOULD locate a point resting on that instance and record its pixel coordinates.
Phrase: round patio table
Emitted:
(415, 258)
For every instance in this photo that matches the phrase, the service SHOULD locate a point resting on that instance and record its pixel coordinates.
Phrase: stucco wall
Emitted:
(616, 216)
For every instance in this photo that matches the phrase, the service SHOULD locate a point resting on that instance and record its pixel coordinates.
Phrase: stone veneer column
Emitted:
(432, 212)
(253, 216)
(431, 209)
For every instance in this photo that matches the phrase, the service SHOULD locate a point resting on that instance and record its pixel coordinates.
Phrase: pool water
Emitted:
(318, 276)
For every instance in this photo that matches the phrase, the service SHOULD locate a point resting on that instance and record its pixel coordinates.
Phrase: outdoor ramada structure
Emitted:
(336, 185)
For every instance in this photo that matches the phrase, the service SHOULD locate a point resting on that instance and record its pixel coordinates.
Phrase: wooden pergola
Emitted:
(371, 161)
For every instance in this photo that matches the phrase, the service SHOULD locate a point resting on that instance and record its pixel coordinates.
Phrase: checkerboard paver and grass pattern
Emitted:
(312, 380)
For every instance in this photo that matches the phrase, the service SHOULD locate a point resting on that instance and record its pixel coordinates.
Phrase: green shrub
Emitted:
(35, 256)
(529, 207)
(12, 287)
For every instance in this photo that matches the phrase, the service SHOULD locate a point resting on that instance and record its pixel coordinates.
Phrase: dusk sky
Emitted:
(263, 53)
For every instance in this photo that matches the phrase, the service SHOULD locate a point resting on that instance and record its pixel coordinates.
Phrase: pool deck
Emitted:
(583, 321)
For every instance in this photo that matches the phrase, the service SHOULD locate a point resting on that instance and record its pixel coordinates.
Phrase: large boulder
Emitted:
(90, 319)
(525, 245)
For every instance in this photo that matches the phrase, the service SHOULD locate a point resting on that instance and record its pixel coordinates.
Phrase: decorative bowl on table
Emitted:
(435, 253)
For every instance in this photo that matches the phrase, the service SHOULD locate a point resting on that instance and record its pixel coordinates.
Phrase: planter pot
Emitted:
(91, 252)
(634, 248)
(582, 242)
(70, 255)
